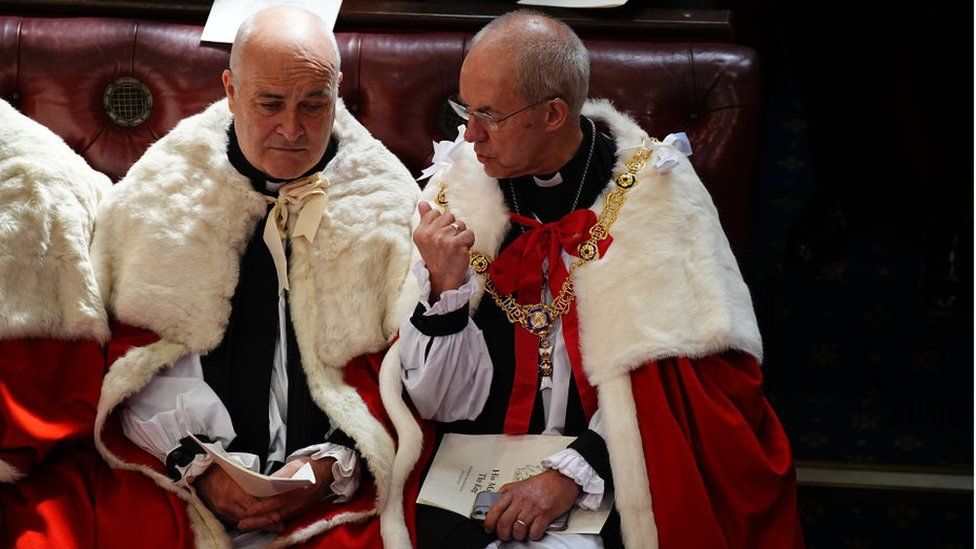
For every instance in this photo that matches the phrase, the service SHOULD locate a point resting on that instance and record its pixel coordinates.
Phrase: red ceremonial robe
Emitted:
(668, 339)
(167, 252)
(51, 314)
(48, 394)
(718, 462)
(77, 500)
(52, 325)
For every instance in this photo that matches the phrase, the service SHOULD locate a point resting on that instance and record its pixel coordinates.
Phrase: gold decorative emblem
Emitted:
(540, 321)
(588, 251)
(626, 180)
(479, 262)
(545, 358)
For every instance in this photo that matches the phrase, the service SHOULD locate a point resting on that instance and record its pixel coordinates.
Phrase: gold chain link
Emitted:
(588, 251)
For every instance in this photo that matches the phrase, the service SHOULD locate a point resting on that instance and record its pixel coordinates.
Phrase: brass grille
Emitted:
(127, 101)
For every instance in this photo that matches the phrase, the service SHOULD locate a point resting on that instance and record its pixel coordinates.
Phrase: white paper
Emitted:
(467, 464)
(574, 3)
(256, 484)
(226, 15)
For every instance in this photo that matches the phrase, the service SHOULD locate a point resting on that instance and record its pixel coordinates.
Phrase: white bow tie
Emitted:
(309, 194)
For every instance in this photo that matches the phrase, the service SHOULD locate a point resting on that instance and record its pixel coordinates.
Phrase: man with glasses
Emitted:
(573, 283)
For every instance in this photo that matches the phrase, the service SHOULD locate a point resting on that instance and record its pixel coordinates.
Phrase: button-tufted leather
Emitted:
(55, 70)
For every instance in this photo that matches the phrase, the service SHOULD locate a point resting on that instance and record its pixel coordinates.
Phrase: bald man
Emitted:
(252, 258)
(579, 284)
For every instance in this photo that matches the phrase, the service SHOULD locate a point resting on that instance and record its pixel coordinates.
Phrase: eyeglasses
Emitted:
(491, 122)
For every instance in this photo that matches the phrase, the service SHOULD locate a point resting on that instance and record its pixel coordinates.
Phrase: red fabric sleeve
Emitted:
(48, 394)
(75, 500)
(78, 500)
(718, 461)
(54, 506)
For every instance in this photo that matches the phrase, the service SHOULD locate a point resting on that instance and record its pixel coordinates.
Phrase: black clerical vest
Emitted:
(239, 369)
(549, 204)
(437, 528)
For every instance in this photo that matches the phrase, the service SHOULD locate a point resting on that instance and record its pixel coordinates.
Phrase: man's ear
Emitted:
(557, 112)
(228, 79)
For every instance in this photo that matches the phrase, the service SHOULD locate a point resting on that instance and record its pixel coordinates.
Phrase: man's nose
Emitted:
(474, 131)
(290, 126)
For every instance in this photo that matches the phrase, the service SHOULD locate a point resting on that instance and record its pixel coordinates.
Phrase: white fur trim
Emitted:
(409, 445)
(208, 532)
(167, 254)
(49, 197)
(9, 473)
(632, 497)
(668, 286)
(130, 373)
(348, 412)
(171, 233)
(304, 534)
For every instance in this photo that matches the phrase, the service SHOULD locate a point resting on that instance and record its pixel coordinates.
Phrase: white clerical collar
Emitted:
(273, 186)
(551, 182)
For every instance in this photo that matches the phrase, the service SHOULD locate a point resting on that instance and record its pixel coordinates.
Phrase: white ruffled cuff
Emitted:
(345, 470)
(450, 300)
(202, 462)
(569, 462)
(170, 406)
(193, 470)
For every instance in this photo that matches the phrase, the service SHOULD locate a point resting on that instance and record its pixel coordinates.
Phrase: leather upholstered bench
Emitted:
(110, 87)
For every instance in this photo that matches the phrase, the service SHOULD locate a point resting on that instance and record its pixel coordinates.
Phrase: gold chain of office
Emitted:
(540, 318)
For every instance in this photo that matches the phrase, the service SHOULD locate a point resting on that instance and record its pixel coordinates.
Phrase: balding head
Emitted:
(282, 86)
(549, 60)
(286, 30)
(533, 126)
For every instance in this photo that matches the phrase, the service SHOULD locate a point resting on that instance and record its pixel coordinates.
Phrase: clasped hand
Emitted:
(443, 242)
(232, 504)
(527, 507)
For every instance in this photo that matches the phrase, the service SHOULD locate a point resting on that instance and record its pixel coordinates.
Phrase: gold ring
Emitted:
(522, 522)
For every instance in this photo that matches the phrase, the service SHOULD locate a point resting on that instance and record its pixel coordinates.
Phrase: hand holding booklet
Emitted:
(253, 483)
(465, 465)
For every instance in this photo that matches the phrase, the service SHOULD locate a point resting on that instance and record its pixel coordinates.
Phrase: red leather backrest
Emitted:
(55, 70)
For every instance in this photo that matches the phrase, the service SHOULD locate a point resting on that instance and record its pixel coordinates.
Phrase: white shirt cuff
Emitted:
(202, 462)
(570, 463)
(345, 470)
(450, 300)
(193, 470)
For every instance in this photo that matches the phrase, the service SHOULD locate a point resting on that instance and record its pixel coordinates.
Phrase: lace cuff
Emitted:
(345, 470)
(193, 470)
(450, 300)
(570, 463)
(202, 462)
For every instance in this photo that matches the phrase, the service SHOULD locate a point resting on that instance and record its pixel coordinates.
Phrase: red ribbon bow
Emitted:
(519, 266)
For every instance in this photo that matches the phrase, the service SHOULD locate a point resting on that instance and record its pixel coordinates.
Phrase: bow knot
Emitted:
(309, 194)
(519, 266)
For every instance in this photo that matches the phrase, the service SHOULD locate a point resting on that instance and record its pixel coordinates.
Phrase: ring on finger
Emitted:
(522, 522)
(457, 228)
